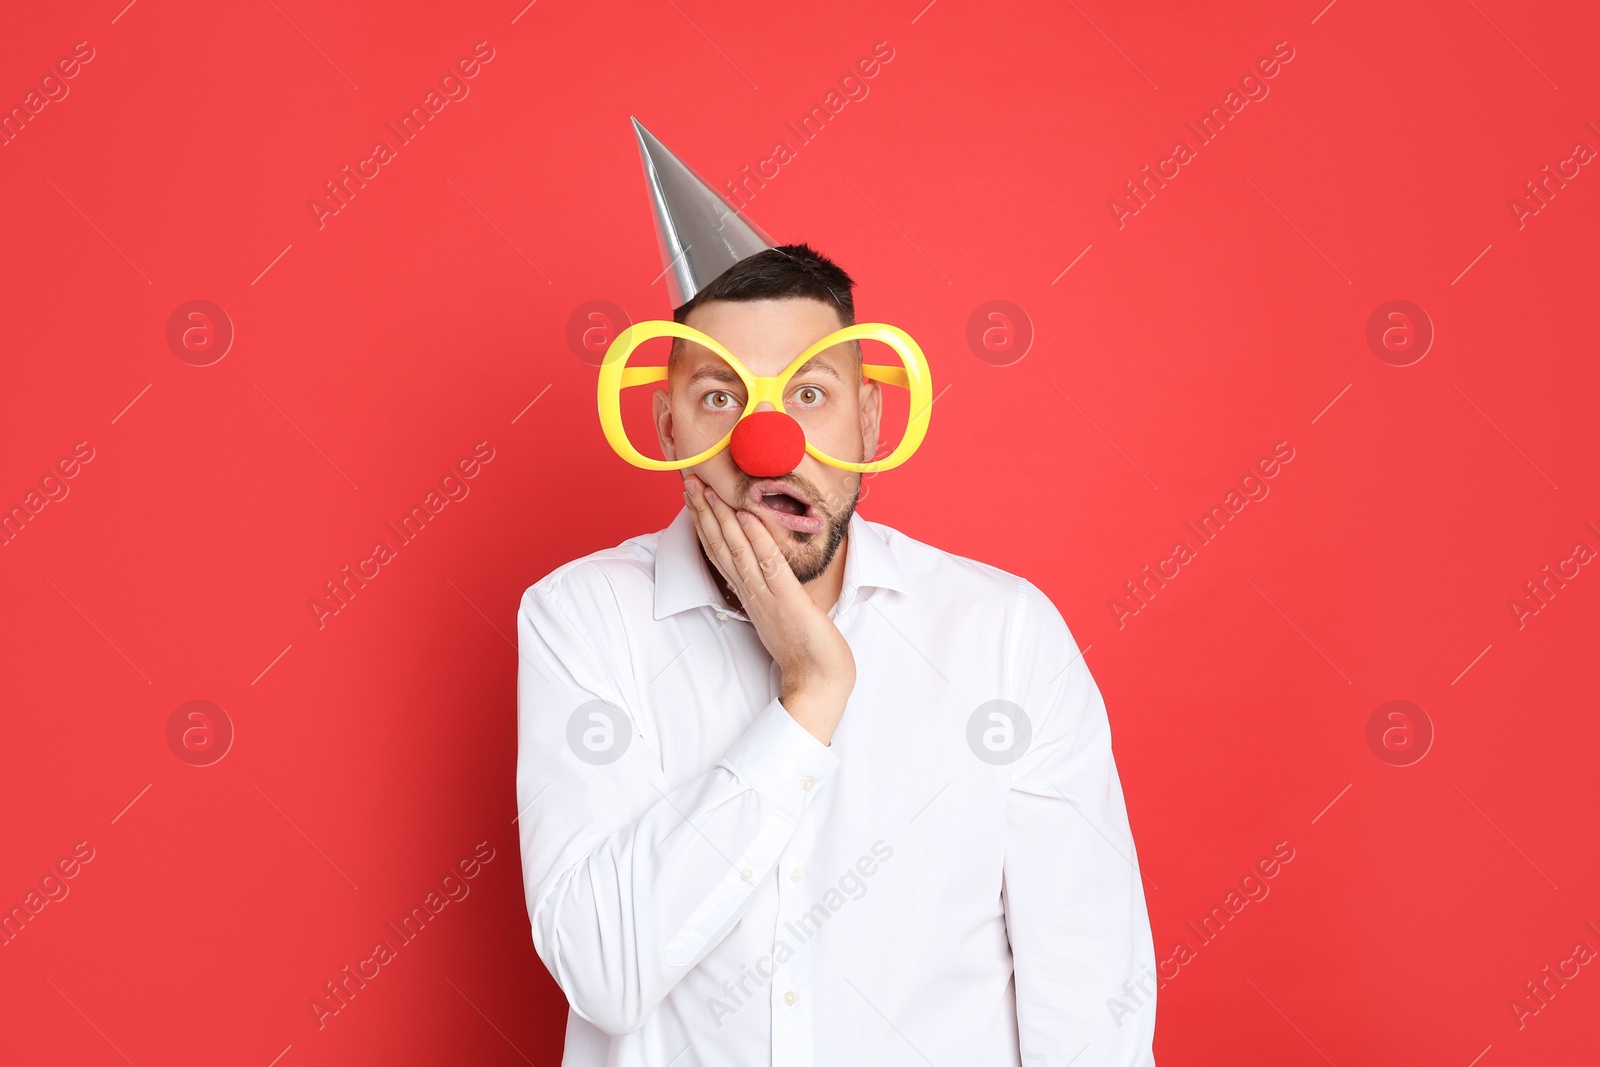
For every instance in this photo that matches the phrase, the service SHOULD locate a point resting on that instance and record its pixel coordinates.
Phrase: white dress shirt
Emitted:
(952, 882)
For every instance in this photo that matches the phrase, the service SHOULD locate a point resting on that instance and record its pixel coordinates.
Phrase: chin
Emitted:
(807, 556)
(810, 553)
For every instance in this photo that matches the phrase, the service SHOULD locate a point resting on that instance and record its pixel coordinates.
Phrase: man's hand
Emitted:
(817, 668)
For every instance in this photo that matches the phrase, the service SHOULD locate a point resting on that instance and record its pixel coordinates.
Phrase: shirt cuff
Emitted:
(778, 758)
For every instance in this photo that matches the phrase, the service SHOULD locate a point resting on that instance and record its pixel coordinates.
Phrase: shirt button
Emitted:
(746, 874)
(790, 997)
(796, 874)
(808, 783)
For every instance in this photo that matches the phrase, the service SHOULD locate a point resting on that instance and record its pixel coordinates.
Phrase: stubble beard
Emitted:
(810, 554)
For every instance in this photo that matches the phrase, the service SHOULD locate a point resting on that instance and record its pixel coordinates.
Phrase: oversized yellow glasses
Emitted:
(912, 375)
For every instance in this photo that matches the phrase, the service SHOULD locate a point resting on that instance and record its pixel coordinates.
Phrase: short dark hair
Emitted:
(778, 274)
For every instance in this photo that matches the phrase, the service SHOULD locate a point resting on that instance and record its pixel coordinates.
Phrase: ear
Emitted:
(661, 405)
(871, 404)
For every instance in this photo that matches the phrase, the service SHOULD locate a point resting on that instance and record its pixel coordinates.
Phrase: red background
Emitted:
(374, 753)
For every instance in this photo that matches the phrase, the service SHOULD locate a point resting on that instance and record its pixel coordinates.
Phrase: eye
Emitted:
(721, 400)
(809, 395)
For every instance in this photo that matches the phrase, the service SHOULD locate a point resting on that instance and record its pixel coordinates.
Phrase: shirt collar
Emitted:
(683, 580)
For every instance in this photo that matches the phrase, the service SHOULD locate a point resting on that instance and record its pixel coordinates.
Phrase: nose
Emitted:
(767, 443)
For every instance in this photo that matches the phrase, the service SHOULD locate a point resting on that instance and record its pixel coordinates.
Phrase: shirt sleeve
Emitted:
(631, 880)
(1075, 910)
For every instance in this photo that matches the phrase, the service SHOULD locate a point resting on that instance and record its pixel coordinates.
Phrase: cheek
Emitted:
(836, 430)
(835, 488)
(700, 428)
(721, 475)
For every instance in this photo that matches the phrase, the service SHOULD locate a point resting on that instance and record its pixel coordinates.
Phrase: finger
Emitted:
(778, 576)
(740, 555)
(738, 545)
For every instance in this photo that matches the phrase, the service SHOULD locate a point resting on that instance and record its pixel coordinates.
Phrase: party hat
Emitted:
(700, 235)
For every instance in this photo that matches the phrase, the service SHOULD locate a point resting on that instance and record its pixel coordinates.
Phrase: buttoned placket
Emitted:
(791, 989)
(791, 993)
(781, 995)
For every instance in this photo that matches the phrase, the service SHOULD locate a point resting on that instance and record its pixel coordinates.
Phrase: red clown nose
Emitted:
(767, 444)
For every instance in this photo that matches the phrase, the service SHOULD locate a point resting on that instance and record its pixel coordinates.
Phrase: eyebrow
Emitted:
(815, 367)
(718, 371)
(721, 372)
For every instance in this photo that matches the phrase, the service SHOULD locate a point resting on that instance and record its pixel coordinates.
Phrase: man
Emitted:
(794, 787)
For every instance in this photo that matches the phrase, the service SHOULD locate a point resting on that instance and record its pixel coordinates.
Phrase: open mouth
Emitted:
(787, 505)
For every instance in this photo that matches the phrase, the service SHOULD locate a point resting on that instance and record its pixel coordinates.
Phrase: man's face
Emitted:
(808, 510)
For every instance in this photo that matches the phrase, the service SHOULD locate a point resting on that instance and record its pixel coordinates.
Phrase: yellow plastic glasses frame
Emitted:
(616, 375)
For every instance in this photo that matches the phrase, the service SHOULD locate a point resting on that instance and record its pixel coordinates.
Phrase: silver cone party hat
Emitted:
(699, 234)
